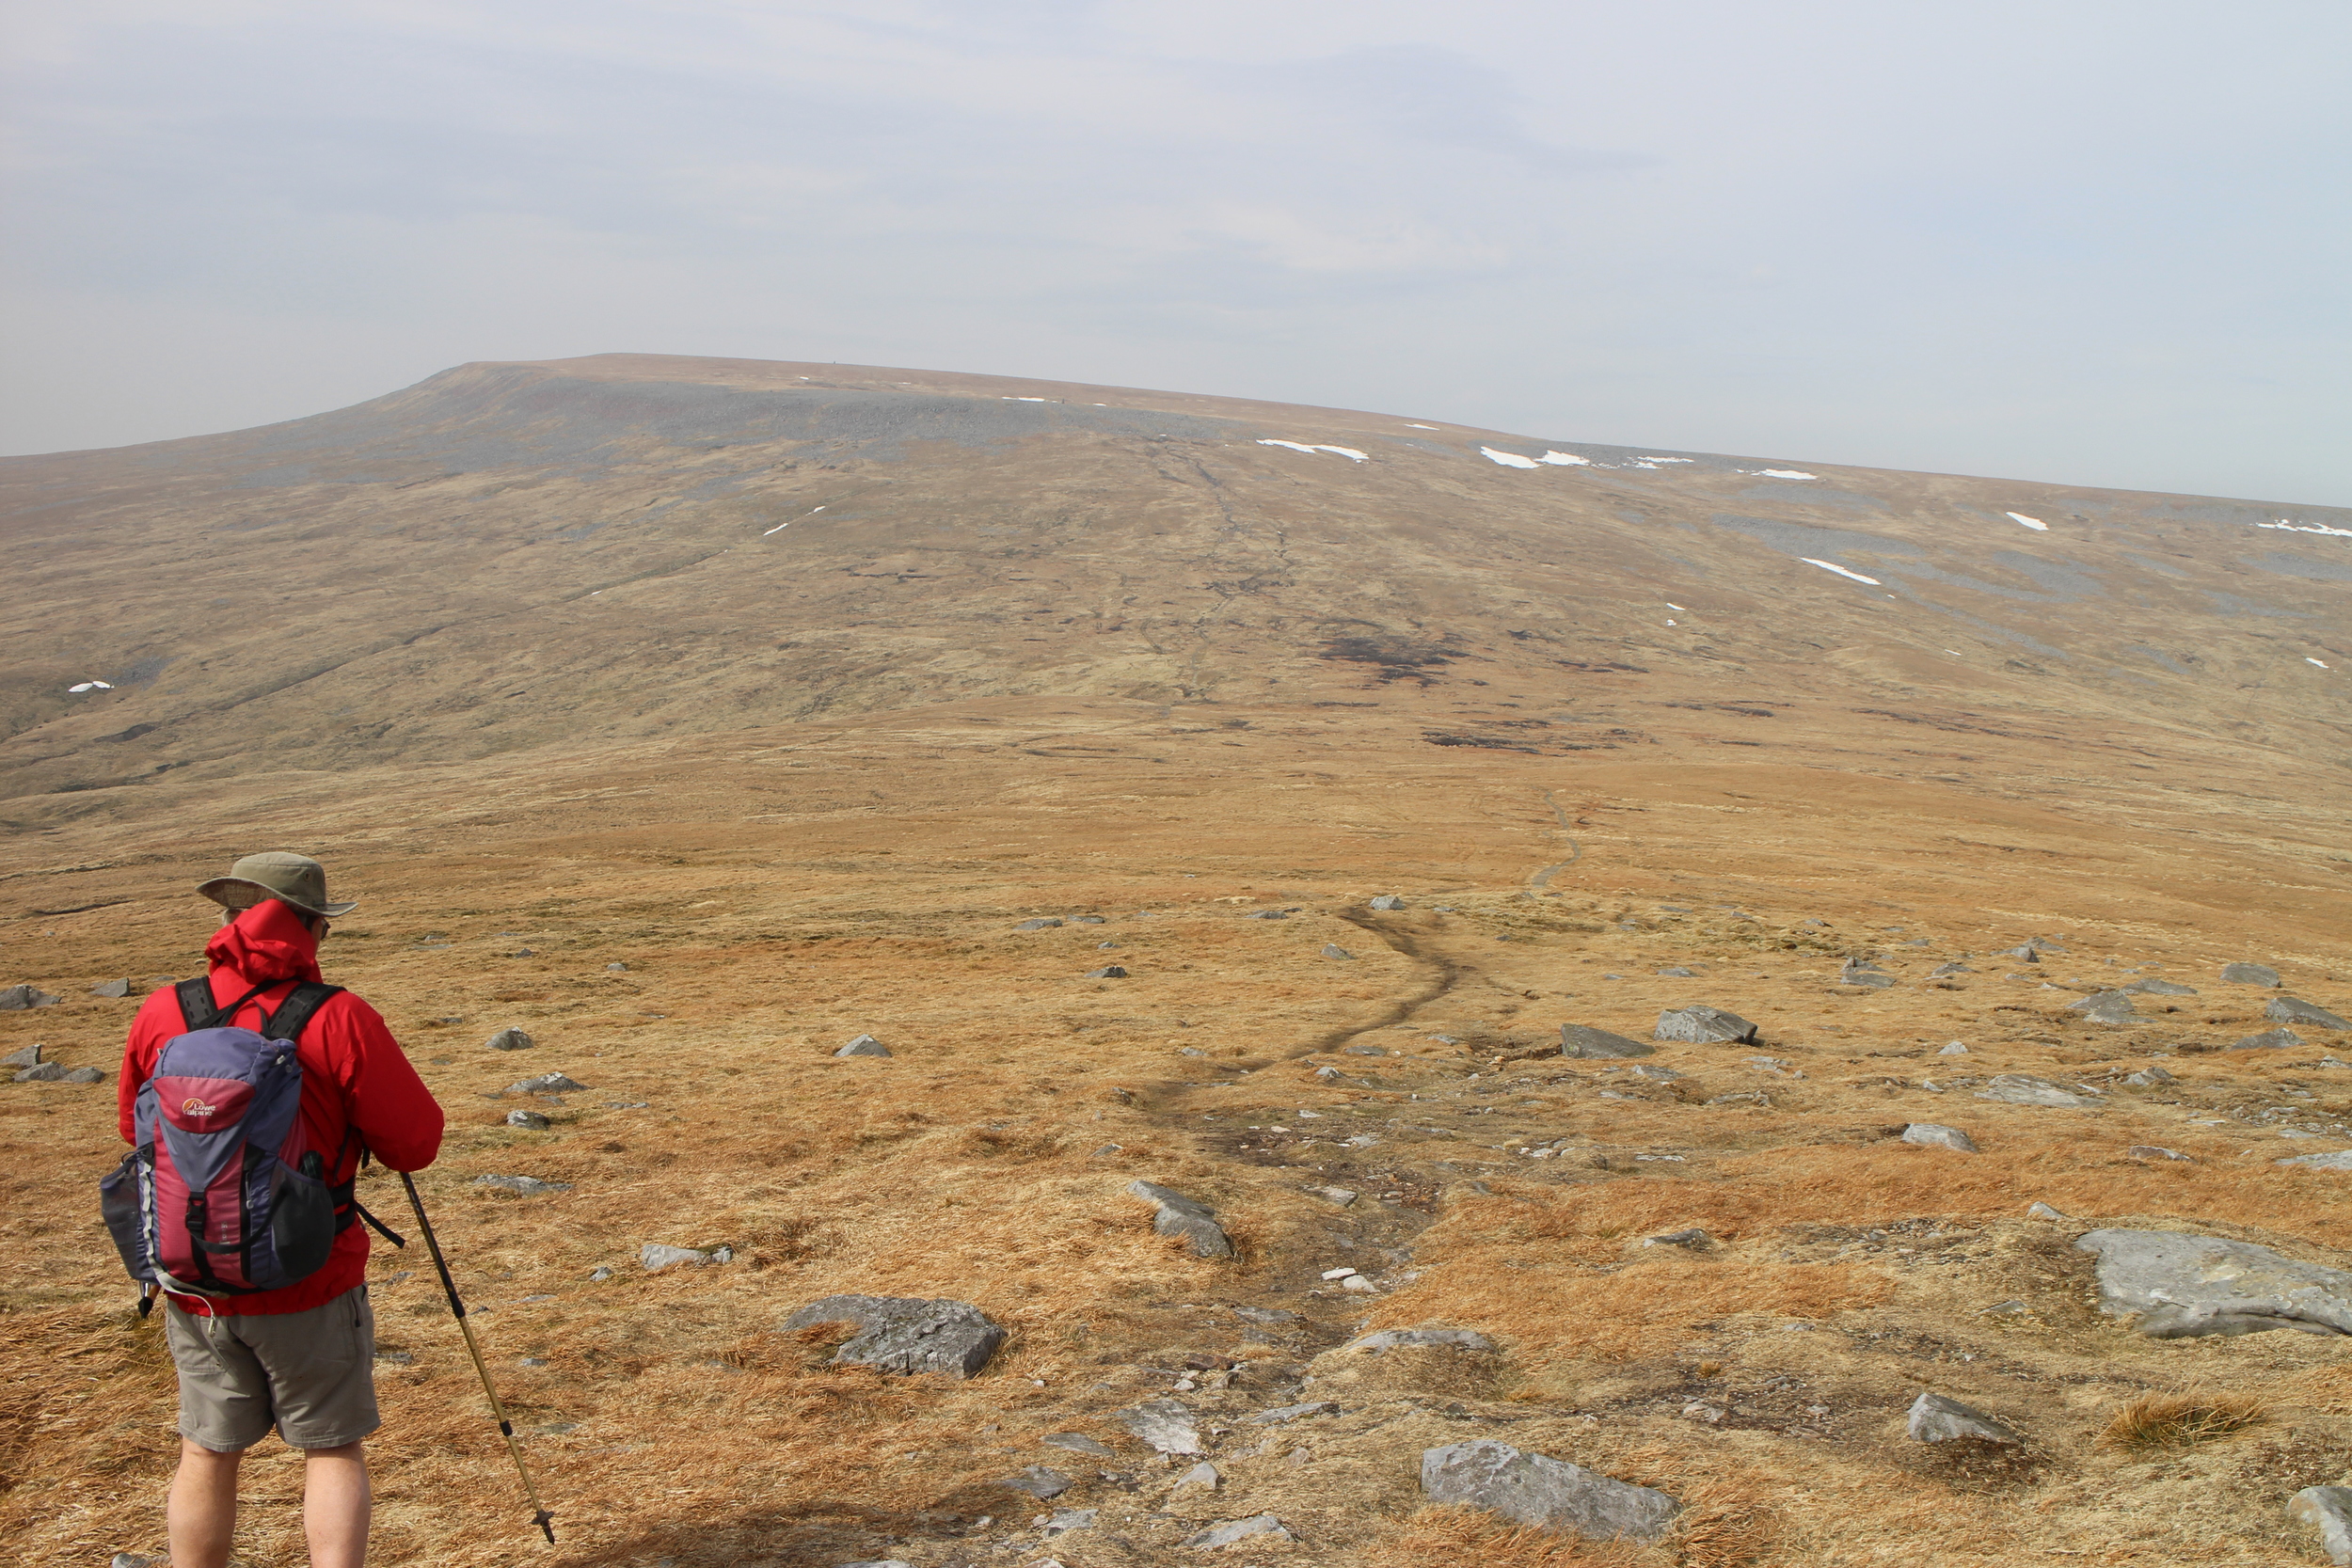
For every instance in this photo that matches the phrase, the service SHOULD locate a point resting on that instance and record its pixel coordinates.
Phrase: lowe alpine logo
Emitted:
(194, 1107)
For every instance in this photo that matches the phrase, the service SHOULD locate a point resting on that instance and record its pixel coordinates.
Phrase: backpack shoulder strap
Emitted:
(196, 1003)
(287, 1022)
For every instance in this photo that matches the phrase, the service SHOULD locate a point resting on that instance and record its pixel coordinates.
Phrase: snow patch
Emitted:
(1833, 566)
(2308, 528)
(1410, 425)
(1787, 474)
(781, 526)
(92, 686)
(1509, 459)
(1566, 460)
(2034, 523)
(1022, 400)
(1349, 453)
(2308, 659)
(1671, 605)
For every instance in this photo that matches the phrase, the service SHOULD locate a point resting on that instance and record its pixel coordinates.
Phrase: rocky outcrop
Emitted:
(1549, 1493)
(2182, 1285)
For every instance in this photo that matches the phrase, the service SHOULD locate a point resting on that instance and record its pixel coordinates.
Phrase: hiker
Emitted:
(299, 1356)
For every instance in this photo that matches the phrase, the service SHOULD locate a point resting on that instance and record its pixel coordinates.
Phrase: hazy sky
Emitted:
(2106, 243)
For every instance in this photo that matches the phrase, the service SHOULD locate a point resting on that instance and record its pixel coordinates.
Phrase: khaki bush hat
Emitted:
(296, 880)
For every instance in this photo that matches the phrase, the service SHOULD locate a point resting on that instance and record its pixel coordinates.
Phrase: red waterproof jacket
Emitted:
(357, 1088)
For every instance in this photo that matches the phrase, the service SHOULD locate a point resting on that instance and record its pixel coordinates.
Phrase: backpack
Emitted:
(220, 1197)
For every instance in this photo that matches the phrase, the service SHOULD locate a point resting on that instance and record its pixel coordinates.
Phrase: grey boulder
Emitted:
(48, 1072)
(547, 1083)
(1933, 1136)
(2269, 1040)
(111, 988)
(1936, 1419)
(1078, 1442)
(1600, 1045)
(1258, 1525)
(531, 1121)
(29, 1057)
(1546, 1493)
(84, 1075)
(1179, 1215)
(655, 1257)
(18, 998)
(2326, 1512)
(864, 1045)
(1109, 972)
(907, 1334)
(1421, 1339)
(1040, 1481)
(2184, 1286)
(2106, 1006)
(1388, 901)
(1702, 1025)
(1047, 924)
(1861, 972)
(2289, 1009)
(1168, 1426)
(509, 1040)
(1333, 950)
(2248, 974)
(2016, 1088)
(1266, 914)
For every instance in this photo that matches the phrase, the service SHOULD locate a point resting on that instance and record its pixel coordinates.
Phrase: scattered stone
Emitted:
(2006, 1309)
(1078, 1442)
(1861, 972)
(2289, 1009)
(2043, 1211)
(522, 1186)
(599, 1275)
(1366, 1050)
(1657, 1074)
(864, 1045)
(530, 1119)
(2156, 1151)
(1702, 1025)
(1047, 924)
(547, 1083)
(1109, 972)
(2023, 954)
(656, 1257)
(1357, 1282)
(131, 1560)
(1338, 1196)
(2158, 987)
(1933, 1136)
(2269, 1040)
(1162, 1424)
(2186, 1286)
(1593, 1045)
(1087, 920)
(2327, 1511)
(2337, 1160)
(1200, 1477)
(2148, 1077)
(84, 1075)
(48, 1072)
(1040, 1481)
(1679, 972)
(1291, 1413)
(1945, 971)
(1264, 1315)
(1105, 1151)
(1330, 1274)
(1421, 1339)
(18, 998)
(1936, 1419)
(29, 1057)
(616, 969)
(1333, 950)
(1240, 1530)
(111, 988)
(1549, 1494)
(1266, 914)
(1067, 1519)
(2248, 974)
(1180, 1216)
(2106, 1006)
(509, 1040)
(2016, 1088)
(1388, 901)
(1693, 1239)
(907, 1334)
(1953, 1049)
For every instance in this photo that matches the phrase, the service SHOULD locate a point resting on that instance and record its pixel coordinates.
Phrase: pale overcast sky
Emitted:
(2102, 242)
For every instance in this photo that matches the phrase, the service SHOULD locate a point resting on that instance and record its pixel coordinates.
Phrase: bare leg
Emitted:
(203, 1514)
(336, 1503)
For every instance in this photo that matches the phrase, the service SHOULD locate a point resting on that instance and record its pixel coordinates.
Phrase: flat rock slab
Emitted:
(1045, 925)
(1078, 1442)
(1861, 972)
(1421, 1339)
(2327, 1512)
(1262, 1526)
(1549, 1494)
(1933, 1136)
(1600, 1045)
(509, 1040)
(1703, 1025)
(1039, 1481)
(1935, 1419)
(2248, 974)
(1179, 1215)
(2158, 987)
(907, 1334)
(2016, 1088)
(111, 988)
(18, 998)
(1291, 1413)
(2186, 1286)
(2291, 1010)
(2339, 1159)
(1162, 1424)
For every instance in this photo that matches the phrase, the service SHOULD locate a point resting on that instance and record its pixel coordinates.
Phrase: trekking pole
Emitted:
(541, 1517)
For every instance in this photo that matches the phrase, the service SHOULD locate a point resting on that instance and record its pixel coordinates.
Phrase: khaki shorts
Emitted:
(309, 1374)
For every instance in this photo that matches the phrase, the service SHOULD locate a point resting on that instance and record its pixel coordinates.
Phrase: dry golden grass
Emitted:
(2180, 1420)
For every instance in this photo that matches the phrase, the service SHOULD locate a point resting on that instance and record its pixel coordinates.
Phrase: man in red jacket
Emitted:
(301, 1358)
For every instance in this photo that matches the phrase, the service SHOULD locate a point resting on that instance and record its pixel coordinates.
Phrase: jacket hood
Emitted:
(265, 944)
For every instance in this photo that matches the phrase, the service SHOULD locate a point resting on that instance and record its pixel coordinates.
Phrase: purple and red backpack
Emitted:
(221, 1194)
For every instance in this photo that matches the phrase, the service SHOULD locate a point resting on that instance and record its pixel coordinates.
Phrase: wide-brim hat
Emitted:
(296, 880)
